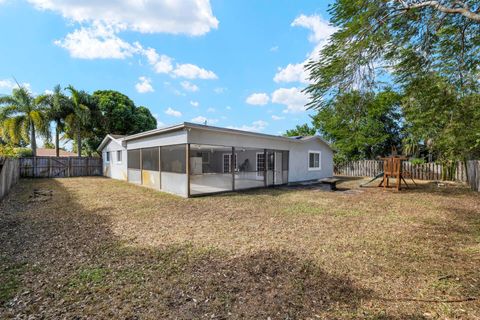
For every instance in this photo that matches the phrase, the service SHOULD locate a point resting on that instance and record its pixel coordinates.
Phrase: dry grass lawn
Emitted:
(99, 248)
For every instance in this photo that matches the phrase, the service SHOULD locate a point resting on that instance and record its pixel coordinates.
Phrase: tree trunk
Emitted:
(33, 141)
(79, 143)
(57, 141)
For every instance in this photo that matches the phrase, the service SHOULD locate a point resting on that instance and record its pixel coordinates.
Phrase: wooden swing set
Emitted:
(393, 168)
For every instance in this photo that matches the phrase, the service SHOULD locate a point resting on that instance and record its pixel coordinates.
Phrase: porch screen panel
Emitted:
(251, 165)
(150, 159)
(211, 169)
(173, 158)
(133, 159)
(133, 165)
(285, 165)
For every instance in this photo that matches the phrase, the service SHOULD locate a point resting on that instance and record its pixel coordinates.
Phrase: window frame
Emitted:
(119, 159)
(315, 152)
(107, 156)
(235, 163)
(262, 172)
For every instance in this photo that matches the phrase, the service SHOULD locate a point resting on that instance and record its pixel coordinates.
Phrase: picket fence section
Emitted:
(426, 171)
(60, 167)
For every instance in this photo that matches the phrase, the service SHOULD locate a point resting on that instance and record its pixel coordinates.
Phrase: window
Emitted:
(314, 160)
(205, 157)
(260, 164)
(226, 162)
(107, 156)
(119, 156)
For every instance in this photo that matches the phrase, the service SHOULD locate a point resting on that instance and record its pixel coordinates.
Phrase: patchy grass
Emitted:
(9, 279)
(101, 248)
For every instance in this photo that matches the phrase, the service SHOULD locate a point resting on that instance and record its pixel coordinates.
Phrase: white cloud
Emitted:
(173, 113)
(194, 103)
(191, 71)
(191, 17)
(274, 49)
(102, 22)
(293, 98)
(164, 64)
(211, 110)
(160, 63)
(258, 99)
(228, 108)
(48, 91)
(202, 119)
(188, 86)
(256, 126)
(7, 85)
(321, 31)
(96, 42)
(219, 90)
(291, 73)
(320, 28)
(144, 85)
(276, 118)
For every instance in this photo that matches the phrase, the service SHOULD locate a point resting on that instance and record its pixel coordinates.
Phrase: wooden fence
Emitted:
(60, 167)
(9, 174)
(473, 172)
(426, 171)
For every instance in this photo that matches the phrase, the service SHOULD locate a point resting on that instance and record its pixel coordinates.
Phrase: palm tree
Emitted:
(21, 116)
(79, 115)
(59, 109)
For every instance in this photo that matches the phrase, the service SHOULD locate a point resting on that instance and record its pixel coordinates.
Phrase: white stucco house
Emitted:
(190, 159)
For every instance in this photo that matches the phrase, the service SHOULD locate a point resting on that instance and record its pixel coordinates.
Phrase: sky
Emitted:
(236, 64)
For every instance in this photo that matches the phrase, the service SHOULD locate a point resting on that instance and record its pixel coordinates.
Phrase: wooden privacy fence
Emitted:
(9, 174)
(473, 172)
(60, 167)
(426, 171)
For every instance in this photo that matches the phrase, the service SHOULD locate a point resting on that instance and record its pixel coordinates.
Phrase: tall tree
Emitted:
(403, 38)
(418, 45)
(361, 125)
(59, 107)
(77, 119)
(301, 130)
(22, 117)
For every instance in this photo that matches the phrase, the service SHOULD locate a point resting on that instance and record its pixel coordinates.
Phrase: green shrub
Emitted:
(416, 161)
(14, 152)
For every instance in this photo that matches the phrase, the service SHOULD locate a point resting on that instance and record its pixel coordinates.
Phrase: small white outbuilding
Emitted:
(191, 159)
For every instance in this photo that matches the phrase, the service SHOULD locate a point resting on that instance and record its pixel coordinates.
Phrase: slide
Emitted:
(380, 175)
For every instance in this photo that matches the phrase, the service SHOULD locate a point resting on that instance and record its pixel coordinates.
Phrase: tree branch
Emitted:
(463, 9)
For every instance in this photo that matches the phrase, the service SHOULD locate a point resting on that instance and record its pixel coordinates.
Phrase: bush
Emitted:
(14, 152)
(416, 161)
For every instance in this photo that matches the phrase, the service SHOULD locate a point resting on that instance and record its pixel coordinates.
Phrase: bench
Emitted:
(331, 182)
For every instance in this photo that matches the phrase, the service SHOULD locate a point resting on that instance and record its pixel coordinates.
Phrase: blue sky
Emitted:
(233, 63)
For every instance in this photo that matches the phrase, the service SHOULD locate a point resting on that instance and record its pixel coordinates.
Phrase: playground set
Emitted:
(392, 169)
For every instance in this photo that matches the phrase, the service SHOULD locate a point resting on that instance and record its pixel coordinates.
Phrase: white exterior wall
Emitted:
(113, 168)
(298, 155)
(162, 139)
(298, 162)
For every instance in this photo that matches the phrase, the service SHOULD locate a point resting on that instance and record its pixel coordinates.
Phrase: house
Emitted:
(46, 152)
(216, 159)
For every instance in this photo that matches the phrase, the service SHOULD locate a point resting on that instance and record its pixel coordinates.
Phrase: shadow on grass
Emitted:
(73, 265)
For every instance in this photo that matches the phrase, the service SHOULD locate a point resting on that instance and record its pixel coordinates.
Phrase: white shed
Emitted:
(191, 159)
